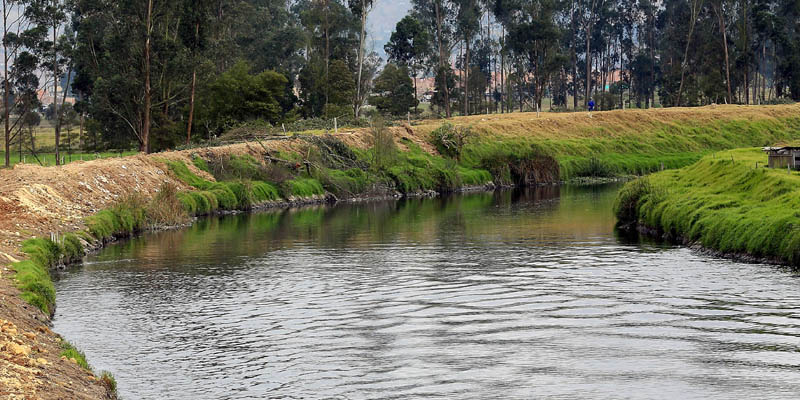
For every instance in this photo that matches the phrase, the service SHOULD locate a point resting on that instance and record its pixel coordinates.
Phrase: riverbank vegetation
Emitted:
(727, 202)
(217, 66)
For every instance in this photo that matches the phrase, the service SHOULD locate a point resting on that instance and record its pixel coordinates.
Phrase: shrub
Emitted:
(383, 148)
(450, 140)
(166, 208)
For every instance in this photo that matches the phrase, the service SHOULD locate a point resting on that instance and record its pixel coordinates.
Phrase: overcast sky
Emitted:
(382, 20)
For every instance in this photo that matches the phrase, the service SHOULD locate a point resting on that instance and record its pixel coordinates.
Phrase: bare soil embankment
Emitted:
(36, 201)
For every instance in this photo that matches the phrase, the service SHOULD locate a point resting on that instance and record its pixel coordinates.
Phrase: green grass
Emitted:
(69, 351)
(48, 159)
(303, 187)
(724, 203)
(608, 152)
(33, 275)
(415, 170)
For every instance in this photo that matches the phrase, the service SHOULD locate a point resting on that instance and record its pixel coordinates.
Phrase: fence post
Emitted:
(335, 126)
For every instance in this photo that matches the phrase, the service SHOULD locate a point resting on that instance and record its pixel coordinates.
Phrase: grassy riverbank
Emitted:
(86, 204)
(628, 142)
(723, 203)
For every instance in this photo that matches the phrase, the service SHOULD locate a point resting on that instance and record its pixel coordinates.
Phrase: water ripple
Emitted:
(518, 299)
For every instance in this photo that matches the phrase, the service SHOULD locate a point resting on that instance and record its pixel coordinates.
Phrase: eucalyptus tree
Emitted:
(534, 37)
(467, 23)
(194, 35)
(361, 9)
(50, 15)
(588, 15)
(439, 17)
(15, 32)
(409, 46)
(131, 62)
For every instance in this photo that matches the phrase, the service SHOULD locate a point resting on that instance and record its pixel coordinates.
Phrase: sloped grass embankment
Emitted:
(723, 203)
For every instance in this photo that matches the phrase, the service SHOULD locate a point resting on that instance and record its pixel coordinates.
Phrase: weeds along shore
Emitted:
(728, 203)
(443, 157)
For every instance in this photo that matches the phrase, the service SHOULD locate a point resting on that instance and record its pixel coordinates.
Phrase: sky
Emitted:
(381, 22)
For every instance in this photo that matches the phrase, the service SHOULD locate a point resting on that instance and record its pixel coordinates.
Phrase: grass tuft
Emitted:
(69, 351)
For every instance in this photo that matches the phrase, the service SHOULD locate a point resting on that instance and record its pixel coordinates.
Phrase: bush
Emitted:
(167, 208)
(450, 140)
(383, 148)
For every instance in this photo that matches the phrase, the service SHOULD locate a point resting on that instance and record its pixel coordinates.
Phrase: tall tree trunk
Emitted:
(191, 106)
(651, 88)
(55, 90)
(60, 115)
(6, 94)
(416, 95)
(588, 64)
(573, 44)
(442, 69)
(695, 11)
(503, 91)
(723, 31)
(746, 45)
(194, 85)
(145, 143)
(361, 57)
(466, 77)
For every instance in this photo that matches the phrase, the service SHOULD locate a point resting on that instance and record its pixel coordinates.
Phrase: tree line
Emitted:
(158, 73)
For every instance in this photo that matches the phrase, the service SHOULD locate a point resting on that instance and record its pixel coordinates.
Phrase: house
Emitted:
(782, 157)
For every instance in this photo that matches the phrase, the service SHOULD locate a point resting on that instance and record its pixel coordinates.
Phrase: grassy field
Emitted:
(722, 202)
(49, 159)
(624, 142)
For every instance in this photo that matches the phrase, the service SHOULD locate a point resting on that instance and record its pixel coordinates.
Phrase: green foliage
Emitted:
(263, 192)
(627, 202)
(127, 216)
(722, 202)
(344, 183)
(302, 187)
(383, 149)
(394, 91)
(72, 247)
(450, 139)
(417, 171)
(35, 284)
(327, 92)
(669, 144)
(239, 96)
(33, 275)
(69, 351)
(201, 164)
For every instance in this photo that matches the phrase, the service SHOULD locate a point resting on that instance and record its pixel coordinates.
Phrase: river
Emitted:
(507, 295)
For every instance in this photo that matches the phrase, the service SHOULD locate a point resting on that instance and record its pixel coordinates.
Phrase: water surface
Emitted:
(510, 295)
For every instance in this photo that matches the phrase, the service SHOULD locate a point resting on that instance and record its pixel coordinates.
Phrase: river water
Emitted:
(508, 295)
